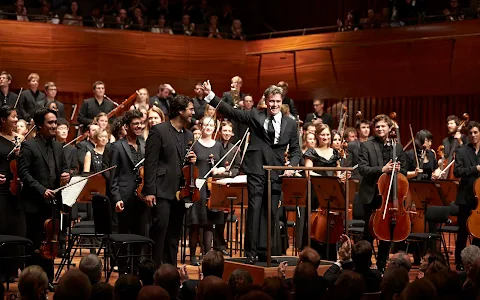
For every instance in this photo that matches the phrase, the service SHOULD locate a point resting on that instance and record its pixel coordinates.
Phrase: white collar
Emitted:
(277, 117)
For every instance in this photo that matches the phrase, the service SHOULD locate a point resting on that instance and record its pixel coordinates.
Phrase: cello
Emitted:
(473, 221)
(391, 222)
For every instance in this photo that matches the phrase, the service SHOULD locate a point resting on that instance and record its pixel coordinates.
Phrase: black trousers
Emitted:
(383, 246)
(219, 242)
(166, 229)
(256, 225)
(462, 236)
(36, 233)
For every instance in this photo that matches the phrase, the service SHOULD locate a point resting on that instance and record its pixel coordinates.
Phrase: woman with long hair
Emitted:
(102, 120)
(199, 216)
(142, 99)
(95, 159)
(154, 116)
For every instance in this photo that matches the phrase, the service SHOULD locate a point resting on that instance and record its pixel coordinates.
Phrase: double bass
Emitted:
(391, 222)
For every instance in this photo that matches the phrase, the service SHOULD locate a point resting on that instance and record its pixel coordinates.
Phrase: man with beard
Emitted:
(270, 134)
(165, 156)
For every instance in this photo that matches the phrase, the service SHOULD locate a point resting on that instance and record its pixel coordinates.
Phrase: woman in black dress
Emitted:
(12, 221)
(199, 216)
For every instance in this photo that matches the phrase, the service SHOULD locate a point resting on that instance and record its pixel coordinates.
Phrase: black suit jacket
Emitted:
(260, 151)
(164, 161)
(162, 103)
(123, 177)
(326, 119)
(28, 103)
(353, 149)
(370, 164)
(9, 99)
(227, 97)
(33, 172)
(448, 142)
(90, 110)
(60, 106)
(82, 148)
(465, 168)
(70, 153)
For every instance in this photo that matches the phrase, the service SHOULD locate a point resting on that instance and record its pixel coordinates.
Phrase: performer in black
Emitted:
(12, 221)
(42, 167)
(375, 158)
(270, 133)
(91, 107)
(467, 168)
(165, 155)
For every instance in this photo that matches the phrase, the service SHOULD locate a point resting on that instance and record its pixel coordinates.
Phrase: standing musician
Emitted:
(270, 133)
(165, 155)
(319, 115)
(126, 154)
(467, 168)
(7, 97)
(70, 151)
(199, 215)
(11, 217)
(51, 92)
(363, 131)
(91, 107)
(428, 166)
(29, 98)
(452, 125)
(163, 98)
(42, 168)
(375, 158)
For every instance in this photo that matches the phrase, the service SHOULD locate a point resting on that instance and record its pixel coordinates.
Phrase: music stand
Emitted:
(449, 188)
(294, 194)
(425, 193)
(225, 196)
(95, 185)
(331, 195)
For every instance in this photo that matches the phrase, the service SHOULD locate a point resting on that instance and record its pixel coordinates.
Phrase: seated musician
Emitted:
(375, 158)
(42, 168)
(467, 168)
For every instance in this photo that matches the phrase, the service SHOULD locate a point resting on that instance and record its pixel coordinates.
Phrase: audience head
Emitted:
(473, 274)
(146, 271)
(394, 281)
(431, 257)
(212, 264)
(277, 288)
(212, 288)
(153, 292)
(349, 285)
(362, 254)
(167, 277)
(310, 255)
(91, 265)
(469, 255)
(74, 285)
(127, 287)
(305, 279)
(447, 283)
(400, 259)
(102, 291)
(33, 283)
(238, 278)
(421, 289)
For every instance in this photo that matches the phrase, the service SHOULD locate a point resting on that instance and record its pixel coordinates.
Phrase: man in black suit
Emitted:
(29, 98)
(455, 139)
(42, 168)
(319, 115)
(236, 87)
(165, 155)
(91, 107)
(7, 97)
(467, 168)
(270, 134)
(374, 159)
(199, 103)
(51, 92)
(86, 145)
(363, 131)
(163, 98)
(127, 154)
(287, 100)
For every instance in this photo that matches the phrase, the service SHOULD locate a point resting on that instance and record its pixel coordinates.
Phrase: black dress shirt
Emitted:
(91, 108)
(51, 162)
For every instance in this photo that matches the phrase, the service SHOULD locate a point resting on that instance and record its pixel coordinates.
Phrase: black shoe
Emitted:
(459, 267)
(251, 260)
(225, 252)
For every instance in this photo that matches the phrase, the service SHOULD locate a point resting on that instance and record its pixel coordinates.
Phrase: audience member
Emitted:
(394, 281)
(447, 284)
(350, 285)
(167, 277)
(238, 279)
(400, 259)
(74, 285)
(146, 271)
(127, 287)
(91, 265)
(277, 288)
(153, 293)
(421, 289)
(102, 291)
(256, 295)
(362, 255)
(212, 288)
(33, 283)
(306, 281)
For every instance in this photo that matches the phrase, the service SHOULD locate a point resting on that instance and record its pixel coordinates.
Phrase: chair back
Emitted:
(102, 214)
(437, 214)
(454, 209)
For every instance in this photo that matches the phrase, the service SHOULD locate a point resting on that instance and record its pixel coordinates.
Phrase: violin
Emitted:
(391, 222)
(140, 182)
(15, 183)
(473, 221)
(190, 174)
(49, 246)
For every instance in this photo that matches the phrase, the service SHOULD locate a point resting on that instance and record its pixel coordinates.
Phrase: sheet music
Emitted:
(71, 193)
(237, 179)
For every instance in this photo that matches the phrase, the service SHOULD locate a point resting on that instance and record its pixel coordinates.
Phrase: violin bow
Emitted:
(201, 181)
(414, 147)
(24, 139)
(83, 179)
(18, 98)
(238, 149)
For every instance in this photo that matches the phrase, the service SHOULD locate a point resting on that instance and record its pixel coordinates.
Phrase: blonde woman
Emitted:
(154, 116)
(102, 120)
(142, 99)
(94, 159)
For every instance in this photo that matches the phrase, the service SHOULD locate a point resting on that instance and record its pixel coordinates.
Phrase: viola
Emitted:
(49, 247)
(190, 174)
(473, 221)
(391, 222)
(140, 181)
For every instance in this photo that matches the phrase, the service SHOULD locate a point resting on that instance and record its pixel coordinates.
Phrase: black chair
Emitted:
(7, 244)
(115, 243)
(438, 215)
(451, 229)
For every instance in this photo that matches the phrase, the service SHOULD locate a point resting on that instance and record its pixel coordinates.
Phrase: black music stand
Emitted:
(425, 193)
(331, 195)
(294, 194)
(225, 196)
(449, 188)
